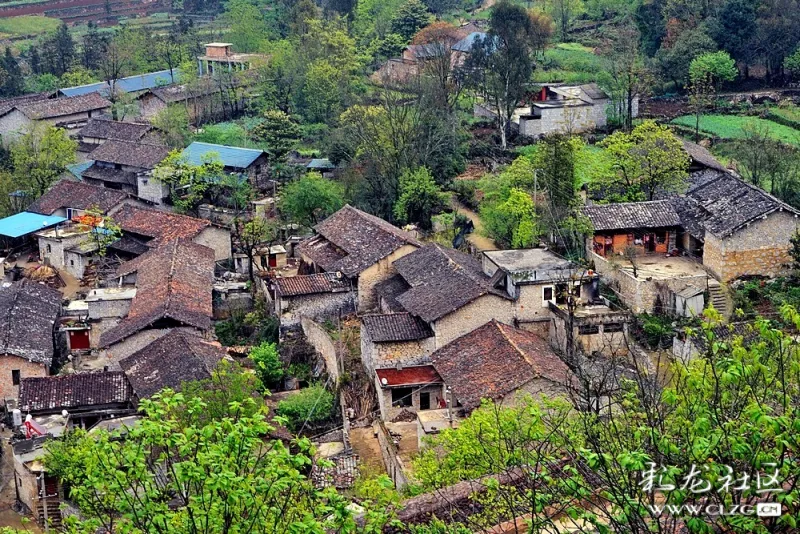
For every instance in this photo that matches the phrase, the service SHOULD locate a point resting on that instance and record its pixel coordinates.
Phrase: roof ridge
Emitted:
(168, 299)
(514, 344)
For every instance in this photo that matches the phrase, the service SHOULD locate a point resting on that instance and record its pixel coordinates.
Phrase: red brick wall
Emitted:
(27, 369)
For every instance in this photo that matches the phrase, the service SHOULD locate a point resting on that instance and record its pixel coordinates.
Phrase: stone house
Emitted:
(689, 345)
(128, 166)
(169, 361)
(173, 291)
(70, 199)
(29, 343)
(360, 246)
(69, 248)
(395, 339)
(411, 389)
(70, 113)
(100, 129)
(151, 228)
(320, 297)
(500, 362)
(245, 161)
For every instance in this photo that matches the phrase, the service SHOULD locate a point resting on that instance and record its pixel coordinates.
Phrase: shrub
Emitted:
(268, 364)
(312, 404)
(465, 193)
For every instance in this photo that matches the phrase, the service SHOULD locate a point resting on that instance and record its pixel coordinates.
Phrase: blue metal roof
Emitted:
(130, 84)
(77, 169)
(230, 156)
(320, 163)
(25, 223)
(465, 44)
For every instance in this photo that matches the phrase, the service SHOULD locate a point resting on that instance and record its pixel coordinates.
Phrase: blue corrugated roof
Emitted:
(77, 169)
(130, 84)
(465, 44)
(320, 163)
(25, 223)
(230, 156)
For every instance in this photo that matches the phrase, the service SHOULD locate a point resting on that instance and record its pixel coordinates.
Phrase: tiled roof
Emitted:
(627, 215)
(109, 174)
(6, 104)
(384, 327)
(173, 282)
(169, 361)
(161, 226)
(128, 84)
(720, 203)
(28, 312)
(442, 280)
(408, 376)
(726, 333)
(230, 156)
(495, 360)
(130, 245)
(390, 289)
(311, 283)
(465, 44)
(69, 194)
(351, 240)
(59, 107)
(111, 129)
(701, 156)
(56, 393)
(143, 155)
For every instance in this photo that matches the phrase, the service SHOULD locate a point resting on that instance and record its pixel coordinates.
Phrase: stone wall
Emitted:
(389, 412)
(103, 309)
(12, 126)
(216, 238)
(391, 354)
(469, 317)
(151, 189)
(55, 256)
(27, 369)
(76, 263)
(318, 307)
(561, 119)
(380, 271)
(324, 345)
(395, 466)
(760, 248)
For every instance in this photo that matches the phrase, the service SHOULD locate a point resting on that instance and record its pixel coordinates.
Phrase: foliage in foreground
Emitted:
(310, 405)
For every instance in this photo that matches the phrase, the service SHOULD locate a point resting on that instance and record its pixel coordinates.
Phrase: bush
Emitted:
(268, 364)
(247, 329)
(312, 404)
(465, 193)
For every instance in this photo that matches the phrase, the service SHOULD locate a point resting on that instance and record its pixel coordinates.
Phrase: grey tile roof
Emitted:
(627, 215)
(702, 157)
(60, 107)
(351, 240)
(109, 174)
(169, 361)
(104, 128)
(310, 284)
(441, 281)
(142, 155)
(28, 312)
(390, 289)
(385, 327)
(82, 390)
(494, 360)
(71, 194)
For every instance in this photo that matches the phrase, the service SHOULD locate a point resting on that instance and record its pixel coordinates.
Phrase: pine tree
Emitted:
(34, 61)
(94, 46)
(13, 85)
(58, 52)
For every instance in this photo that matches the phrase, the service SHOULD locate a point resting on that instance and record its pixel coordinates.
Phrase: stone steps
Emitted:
(719, 301)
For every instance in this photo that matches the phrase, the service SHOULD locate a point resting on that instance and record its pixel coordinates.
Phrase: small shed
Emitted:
(690, 301)
(27, 223)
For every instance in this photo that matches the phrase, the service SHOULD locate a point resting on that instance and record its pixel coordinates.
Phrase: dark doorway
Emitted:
(425, 401)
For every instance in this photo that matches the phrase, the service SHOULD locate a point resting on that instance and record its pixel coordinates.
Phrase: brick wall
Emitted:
(27, 369)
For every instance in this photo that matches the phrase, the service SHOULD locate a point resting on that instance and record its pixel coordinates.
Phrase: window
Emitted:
(401, 397)
(48, 249)
(588, 329)
(15, 377)
(547, 295)
(72, 263)
(611, 328)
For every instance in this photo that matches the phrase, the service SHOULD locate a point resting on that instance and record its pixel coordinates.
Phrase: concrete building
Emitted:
(220, 57)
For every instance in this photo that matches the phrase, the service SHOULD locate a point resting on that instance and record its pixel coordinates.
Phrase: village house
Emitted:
(68, 248)
(173, 290)
(28, 340)
(170, 361)
(88, 398)
(152, 228)
(360, 246)
(70, 199)
(100, 129)
(395, 339)
(219, 57)
(128, 166)
(411, 389)
(71, 113)
(500, 362)
(689, 344)
(319, 297)
(245, 161)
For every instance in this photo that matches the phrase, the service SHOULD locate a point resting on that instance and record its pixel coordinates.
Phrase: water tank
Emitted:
(16, 418)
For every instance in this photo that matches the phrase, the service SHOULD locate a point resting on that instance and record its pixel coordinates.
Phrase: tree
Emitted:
(673, 60)
(717, 68)
(511, 221)
(252, 234)
(310, 199)
(648, 160)
(733, 29)
(58, 51)
(441, 7)
(172, 124)
(103, 230)
(410, 18)
(190, 475)
(77, 76)
(311, 405)
(792, 65)
(627, 78)
(116, 63)
(564, 12)
(13, 80)
(501, 64)
(269, 367)
(420, 198)
(94, 46)
(169, 49)
(248, 28)
(41, 156)
(188, 182)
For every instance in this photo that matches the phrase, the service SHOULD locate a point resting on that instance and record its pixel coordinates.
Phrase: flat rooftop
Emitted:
(111, 293)
(526, 259)
(660, 267)
(66, 231)
(433, 421)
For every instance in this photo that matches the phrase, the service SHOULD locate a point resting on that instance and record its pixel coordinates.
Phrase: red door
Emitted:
(273, 260)
(78, 340)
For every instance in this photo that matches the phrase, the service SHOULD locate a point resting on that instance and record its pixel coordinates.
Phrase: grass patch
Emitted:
(788, 112)
(27, 25)
(730, 127)
(569, 63)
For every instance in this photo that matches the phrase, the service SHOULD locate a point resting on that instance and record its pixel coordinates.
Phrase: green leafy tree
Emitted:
(512, 222)
(58, 52)
(14, 82)
(253, 233)
(410, 18)
(248, 27)
(564, 13)
(103, 230)
(311, 405)
(172, 124)
(188, 182)
(673, 61)
(792, 64)
(41, 156)
(269, 368)
(278, 132)
(717, 68)
(94, 45)
(648, 160)
(191, 475)
(310, 199)
(77, 76)
(420, 198)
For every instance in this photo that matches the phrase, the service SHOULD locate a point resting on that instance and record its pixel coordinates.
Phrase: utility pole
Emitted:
(448, 393)
(44, 504)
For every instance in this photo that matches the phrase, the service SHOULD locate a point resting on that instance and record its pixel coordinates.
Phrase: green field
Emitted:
(789, 112)
(730, 127)
(569, 63)
(26, 25)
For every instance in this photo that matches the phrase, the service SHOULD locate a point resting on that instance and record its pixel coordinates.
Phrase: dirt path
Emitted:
(365, 444)
(477, 238)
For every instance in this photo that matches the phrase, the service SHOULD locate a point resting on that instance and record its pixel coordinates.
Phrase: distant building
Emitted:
(99, 130)
(128, 166)
(220, 57)
(235, 160)
(71, 113)
(129, 84)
